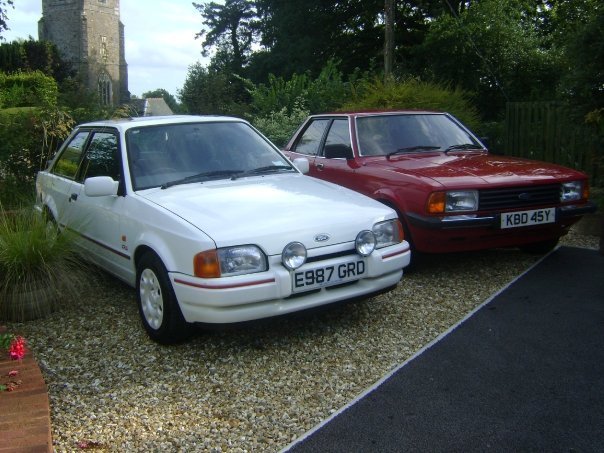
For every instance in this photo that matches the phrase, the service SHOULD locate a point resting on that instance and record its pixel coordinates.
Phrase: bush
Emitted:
(39, 268)
(27, 89)
(280, 126)
(28, 138)
(412, 94)
(322, 94)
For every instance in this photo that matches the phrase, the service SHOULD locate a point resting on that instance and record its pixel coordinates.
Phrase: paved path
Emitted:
(524, 373)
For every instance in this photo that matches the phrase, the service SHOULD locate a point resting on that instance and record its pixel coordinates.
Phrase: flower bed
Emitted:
(25, 414)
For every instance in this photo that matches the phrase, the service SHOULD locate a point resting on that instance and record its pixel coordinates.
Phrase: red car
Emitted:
(450, 193)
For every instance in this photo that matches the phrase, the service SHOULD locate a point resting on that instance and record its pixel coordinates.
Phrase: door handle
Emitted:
(320, 166)
(73, 197)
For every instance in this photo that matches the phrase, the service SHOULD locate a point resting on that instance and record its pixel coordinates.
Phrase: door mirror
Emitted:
(302, 164)
(100, 186)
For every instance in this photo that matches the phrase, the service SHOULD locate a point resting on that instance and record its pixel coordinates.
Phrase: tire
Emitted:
(541, 247)
(157, 303)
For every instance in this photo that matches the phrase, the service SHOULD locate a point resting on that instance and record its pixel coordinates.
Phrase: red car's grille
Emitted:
(519, 197)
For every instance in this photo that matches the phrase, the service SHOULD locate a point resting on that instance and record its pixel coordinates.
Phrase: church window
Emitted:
(103, 50)
(105, 89)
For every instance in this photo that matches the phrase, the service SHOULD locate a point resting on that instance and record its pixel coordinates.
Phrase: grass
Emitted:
(39, 267)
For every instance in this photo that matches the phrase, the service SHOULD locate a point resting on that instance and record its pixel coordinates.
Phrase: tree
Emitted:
(301, 36)
(209, 91)
(583, 83)
(388, 37)
(231, 29)
(161, 93)
(493, 49)
(3, 17)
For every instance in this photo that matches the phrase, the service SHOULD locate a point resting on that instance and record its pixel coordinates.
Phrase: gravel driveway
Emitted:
(249, 389)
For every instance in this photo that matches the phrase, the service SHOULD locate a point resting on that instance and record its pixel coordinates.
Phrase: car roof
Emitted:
(127, 123)
(381, 112)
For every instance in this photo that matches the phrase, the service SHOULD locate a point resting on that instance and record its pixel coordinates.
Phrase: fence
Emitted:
(547, 131)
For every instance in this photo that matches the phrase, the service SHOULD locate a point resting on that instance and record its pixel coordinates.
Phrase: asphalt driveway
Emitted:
(525, 372)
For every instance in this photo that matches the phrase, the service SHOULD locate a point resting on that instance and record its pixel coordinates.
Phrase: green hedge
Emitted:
(413, 94)
(27, 89)
(28, 138)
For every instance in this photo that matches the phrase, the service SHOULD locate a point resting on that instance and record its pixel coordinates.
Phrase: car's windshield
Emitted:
(172, 154)
(384, 135)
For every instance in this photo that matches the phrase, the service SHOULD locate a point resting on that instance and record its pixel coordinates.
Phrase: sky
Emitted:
(160, 39)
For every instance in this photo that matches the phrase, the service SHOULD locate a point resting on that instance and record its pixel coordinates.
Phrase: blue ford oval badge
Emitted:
(322, 237)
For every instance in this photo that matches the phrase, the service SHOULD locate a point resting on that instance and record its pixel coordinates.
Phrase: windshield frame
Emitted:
(424, 144)
(190, 147)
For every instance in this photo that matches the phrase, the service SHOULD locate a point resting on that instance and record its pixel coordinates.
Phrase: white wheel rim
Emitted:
(152, 301)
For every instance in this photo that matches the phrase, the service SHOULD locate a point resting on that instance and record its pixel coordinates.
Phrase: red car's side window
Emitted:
(337, 143)
(310, 140)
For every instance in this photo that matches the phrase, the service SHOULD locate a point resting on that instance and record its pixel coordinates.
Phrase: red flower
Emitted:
(17, 349)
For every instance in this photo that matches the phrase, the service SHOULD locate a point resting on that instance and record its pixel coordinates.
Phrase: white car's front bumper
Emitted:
(267, 294)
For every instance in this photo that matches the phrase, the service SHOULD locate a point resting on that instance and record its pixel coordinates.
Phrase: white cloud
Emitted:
(159, 34)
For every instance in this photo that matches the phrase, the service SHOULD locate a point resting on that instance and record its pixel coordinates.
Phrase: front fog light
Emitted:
(365, 242)
(293, 255)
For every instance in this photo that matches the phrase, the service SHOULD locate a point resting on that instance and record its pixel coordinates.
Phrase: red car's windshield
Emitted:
(398, 133)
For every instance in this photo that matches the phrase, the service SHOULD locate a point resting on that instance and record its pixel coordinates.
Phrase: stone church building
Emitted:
(90, 35)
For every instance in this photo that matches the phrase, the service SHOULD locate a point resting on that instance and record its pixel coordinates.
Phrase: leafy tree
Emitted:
(231, 29)
(579, 35)
(161, 93)
(491, 48)
(209, 91)
(3, 18)
(301, 36)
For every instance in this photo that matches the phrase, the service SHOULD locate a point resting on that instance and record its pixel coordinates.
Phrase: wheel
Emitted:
(540, 247)
(157, 304)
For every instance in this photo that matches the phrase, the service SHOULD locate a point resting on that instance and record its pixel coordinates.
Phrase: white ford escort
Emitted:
(212, 224)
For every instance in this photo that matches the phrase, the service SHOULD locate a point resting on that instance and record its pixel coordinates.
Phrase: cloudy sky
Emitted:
(160, 39)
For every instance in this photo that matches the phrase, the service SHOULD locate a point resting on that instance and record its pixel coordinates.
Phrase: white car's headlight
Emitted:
(388, 233)
(453, 201)
(571, 191)
(293, 255)
(229, 261)
(365, 242)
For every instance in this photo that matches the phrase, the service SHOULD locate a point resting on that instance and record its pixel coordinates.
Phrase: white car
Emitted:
(212, 224)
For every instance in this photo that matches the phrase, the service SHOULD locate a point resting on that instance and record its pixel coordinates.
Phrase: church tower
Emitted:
(90, 35)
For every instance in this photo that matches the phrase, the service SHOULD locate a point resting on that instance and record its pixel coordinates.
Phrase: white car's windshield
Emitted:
(384, 135)
(171, 154)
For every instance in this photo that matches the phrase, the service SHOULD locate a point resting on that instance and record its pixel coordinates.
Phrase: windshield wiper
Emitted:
(260, 170)
(201, 177)
(409, 149)
(463, 146)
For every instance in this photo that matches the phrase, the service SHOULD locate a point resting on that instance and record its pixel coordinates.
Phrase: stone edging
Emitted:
(25, 411)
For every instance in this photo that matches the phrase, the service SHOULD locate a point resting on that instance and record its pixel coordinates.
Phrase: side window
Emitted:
(311, 138)
(101, 157)
(69, 160)
(337, 143)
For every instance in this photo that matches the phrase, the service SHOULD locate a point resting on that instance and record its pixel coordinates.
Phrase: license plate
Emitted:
(321, 276)
(526, 218)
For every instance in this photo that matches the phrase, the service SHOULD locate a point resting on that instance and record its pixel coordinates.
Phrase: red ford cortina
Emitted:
(451, 194)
